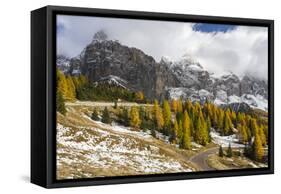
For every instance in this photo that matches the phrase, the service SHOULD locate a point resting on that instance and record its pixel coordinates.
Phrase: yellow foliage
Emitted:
(186, 142)
(179, 105)
(158, 116)
(139, 96)
(258, 149)
(135, 120)
(174, 105)
(61, 83)
(166, 113)
(70, 94)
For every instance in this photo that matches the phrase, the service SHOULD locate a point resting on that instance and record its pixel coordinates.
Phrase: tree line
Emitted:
(185, 122)
(182, 121)
(70, 88)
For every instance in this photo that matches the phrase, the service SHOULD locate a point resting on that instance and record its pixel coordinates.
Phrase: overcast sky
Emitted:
(219, 48)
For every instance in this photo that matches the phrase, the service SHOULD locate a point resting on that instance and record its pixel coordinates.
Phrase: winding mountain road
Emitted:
(201, 159)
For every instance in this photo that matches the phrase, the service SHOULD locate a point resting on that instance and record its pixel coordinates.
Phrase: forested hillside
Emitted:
(181, 120)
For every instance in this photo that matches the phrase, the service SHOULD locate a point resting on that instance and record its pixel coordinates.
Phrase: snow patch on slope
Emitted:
(256, 102)
(221, 97)
(95, 147)
(113, 80)
(224, 141)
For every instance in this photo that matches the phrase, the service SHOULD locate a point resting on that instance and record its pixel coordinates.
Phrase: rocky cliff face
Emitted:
(103, 58)
(109, 60)
(229, 83)
(254, 86)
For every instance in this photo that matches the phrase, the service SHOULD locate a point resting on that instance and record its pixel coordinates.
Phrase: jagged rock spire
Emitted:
(100, 36)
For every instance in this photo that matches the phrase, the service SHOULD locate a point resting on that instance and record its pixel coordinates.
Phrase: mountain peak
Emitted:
(100, 36)
(105, 61)
(188, 58)
(166, 60)
(189, 63)
(229, 75)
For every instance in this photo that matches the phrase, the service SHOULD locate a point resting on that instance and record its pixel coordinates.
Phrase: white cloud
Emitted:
(242, 50)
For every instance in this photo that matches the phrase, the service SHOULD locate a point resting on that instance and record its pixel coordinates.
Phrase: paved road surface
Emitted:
(201, 159)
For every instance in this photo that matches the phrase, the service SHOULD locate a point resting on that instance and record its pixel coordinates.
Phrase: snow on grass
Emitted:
(119, 128)
(123, 129)
(257, 165)
(93, 147)
(158, 164)
(224, 141)
(196, 145)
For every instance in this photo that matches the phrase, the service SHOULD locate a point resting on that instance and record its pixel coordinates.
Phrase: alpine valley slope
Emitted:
(87, 148)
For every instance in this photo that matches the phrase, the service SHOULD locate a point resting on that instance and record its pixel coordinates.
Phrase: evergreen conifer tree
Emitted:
(126, 117)
(262, 135)
(71, 92)
(115, 104)
(229, 151)
(95, 115)
(174, 105)
(62, 84)
(208, 124)
(153, 133)
(105, 116)
(189, 107)
(258, 151)
(201, 131)
(253, 126)
(243, 136)
(60, 106)
(214, 118)
(179, 106)
(234, 118)
(176, 129)
(221, 152)
(167, 116)
(227, 124)
(220, 119)
(158, 116)
(186, 142)
(173, 137)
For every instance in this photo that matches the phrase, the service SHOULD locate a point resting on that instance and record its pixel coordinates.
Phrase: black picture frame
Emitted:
(43, 82)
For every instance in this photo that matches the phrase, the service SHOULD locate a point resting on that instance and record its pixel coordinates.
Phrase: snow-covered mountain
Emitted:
(69, 65)
(198, 84)
(63, 63)
(189, 72)
(104, 60)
